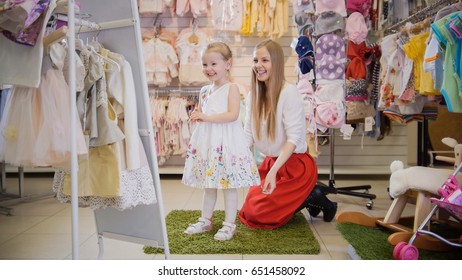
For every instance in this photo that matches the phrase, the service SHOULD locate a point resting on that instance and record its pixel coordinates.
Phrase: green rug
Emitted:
(295, 238)
(370, 243)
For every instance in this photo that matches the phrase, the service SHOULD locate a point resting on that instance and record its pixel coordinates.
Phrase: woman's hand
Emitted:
(270, 183)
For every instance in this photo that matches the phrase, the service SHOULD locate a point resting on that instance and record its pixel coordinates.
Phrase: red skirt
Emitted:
(294, 182)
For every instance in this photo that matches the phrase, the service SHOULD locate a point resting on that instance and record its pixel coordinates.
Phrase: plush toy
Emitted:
(451, 142)
(418, 178)
(424, 178)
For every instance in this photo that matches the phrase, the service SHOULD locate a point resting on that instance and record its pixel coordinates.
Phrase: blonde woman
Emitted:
(275, 124)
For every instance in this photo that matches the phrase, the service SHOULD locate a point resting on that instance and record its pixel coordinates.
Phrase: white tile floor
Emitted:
(40, 228)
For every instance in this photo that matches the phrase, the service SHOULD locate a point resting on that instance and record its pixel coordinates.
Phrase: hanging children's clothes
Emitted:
(415, 50)
(197, 7)
(116, 174)
(22, 22)
(95, 111)
(217, 155)
(450, 88)
(161, 62)
(151, 7)
(227, 15)
(19, 126)
(52, 147)
(36, 122)
(136, 187)
(122, 96)
(189, 46)
(23, 62)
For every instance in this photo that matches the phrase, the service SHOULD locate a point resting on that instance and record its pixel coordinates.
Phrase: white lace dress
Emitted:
(217, 155)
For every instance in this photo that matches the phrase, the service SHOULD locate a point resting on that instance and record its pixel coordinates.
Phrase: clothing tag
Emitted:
(237, 38)
(368, 123)
(322, 128)
(312, 127)
(347, 130)
(294, 43)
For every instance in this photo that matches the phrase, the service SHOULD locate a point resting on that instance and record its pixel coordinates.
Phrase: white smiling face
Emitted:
(214, 67)
(262, 64)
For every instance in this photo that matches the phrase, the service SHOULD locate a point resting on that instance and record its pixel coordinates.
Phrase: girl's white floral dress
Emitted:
(217, 155)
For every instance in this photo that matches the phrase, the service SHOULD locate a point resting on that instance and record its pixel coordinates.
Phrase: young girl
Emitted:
(275, 124)
(217, 157)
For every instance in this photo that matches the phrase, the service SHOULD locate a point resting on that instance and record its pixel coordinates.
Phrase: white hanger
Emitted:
(105, 59)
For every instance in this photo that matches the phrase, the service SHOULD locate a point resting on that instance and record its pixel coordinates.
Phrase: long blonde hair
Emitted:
(265, 98)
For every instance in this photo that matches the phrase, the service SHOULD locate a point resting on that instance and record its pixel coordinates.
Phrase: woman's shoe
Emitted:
(314, 212)
(318, 201)
(328, 213)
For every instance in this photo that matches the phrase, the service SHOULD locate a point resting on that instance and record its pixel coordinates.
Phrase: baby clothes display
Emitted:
(196, 7)
(116, 172)
(217, 156)
(35, 122)
(171, 127)
(330, 63)
(227, 14)
(151, 7)
(337, 6)
(22, 21)
(358, 73)
(190, 43)
(21, 64)
(161, 62)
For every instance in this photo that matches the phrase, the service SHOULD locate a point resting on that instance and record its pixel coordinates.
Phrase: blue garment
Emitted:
(450, 86)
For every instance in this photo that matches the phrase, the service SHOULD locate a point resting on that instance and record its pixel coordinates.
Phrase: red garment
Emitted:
(294, 182)
(358, 54)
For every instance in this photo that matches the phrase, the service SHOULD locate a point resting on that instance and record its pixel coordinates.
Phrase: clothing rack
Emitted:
(122, 225)
(418, 16)
(7, 198)
(422, 132)
(158, 91)
(350, 190)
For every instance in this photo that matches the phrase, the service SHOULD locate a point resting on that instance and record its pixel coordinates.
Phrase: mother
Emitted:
(275, 124)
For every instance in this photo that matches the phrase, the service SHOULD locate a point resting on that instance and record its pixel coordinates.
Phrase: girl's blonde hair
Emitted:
(221, 48)
(265, 96)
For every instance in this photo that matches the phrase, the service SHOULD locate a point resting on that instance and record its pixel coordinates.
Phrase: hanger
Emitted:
(55, 36)
(416, 28)
(193, 38)
(107, 60)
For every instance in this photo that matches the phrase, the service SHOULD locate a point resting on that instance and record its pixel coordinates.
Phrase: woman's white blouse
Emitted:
(290, 124)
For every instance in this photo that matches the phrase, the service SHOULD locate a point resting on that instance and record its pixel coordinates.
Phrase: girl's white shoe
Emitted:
(226, 232)
(203, 225)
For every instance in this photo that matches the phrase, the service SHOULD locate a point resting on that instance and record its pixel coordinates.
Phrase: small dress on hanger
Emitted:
(217, 155)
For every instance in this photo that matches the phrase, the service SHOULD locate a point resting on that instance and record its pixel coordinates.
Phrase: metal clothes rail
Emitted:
(418, 16)
(162, 91)
(8, 198)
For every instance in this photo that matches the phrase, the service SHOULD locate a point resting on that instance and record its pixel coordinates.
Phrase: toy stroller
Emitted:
(451, 201)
